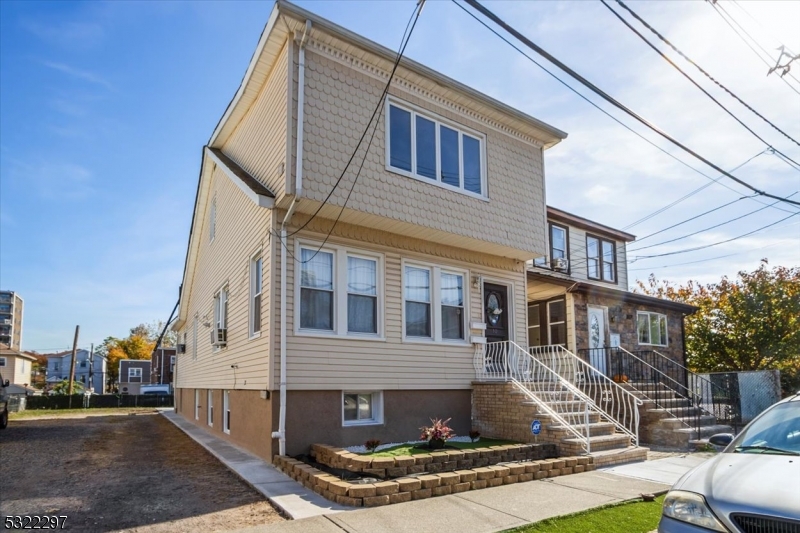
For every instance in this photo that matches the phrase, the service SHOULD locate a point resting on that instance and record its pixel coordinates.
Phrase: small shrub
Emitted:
(474, 435)
(372, 444)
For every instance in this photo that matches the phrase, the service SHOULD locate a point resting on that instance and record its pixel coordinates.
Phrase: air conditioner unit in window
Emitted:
(181, 348)
(560, 264)
(219, 336)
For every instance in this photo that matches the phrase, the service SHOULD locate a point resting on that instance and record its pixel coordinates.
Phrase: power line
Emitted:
(530, 44)
(690, 219)
(412, 22)
(703, 247)
(612, 117)
(702, 230)
(719, 12)
(707, 75)
(690, 194)
(710, 258)
(751, 17)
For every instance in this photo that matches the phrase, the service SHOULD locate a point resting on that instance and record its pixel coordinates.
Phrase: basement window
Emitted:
(362, 408)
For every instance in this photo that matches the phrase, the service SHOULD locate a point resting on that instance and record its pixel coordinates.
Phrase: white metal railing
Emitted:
(561, 380)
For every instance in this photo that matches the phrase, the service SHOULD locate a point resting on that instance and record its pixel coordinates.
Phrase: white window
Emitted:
(212, 220)
(362, 408)
(340, 291)
(433, 303)
(226, 411)
(3, 362)
(600, 259)
(210, 402)
(255, 295)
(652, 328)
(197, 404)
(422, 146)
(219, 331)
(134, 374)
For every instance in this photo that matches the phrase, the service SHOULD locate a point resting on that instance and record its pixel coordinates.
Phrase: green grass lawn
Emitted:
(409, 449)
(39, 413)
(636, 517)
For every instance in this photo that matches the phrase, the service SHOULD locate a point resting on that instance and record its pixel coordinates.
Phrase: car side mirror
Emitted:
(721, 439)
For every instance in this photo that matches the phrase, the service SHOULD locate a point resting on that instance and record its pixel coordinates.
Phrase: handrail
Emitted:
(550, 373)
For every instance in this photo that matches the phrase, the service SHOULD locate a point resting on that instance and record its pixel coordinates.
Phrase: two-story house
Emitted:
(133, 373)
(304, 330)
(16, 366)
(90, 369)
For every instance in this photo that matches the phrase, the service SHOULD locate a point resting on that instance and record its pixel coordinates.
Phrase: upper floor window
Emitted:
(340, 291)
(255, 295)
(652, 328)
(134, 374)
(2, 361)
(433, 150)
(600, 259)
(433, 303)
(212, 220)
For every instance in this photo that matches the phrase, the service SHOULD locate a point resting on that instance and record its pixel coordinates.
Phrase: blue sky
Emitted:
(105, 108)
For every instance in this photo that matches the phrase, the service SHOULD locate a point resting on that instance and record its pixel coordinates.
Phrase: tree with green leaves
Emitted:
(750, 323)
(62, 388)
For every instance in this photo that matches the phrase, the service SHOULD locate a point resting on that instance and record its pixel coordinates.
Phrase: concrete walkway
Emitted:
(286, 494)
(480, 511)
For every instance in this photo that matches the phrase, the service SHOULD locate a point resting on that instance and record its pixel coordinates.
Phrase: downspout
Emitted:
(298, 190)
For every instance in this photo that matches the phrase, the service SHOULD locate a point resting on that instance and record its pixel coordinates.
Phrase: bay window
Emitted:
(428, 148)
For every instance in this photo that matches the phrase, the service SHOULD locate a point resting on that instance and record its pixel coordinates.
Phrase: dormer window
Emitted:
(422, 146)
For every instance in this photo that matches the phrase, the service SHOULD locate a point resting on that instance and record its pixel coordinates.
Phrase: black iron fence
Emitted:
(651, 371)
(81, 401)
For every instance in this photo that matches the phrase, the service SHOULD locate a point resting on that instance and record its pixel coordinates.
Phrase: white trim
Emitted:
(339, 326)
(197, 404)
(510, 304)
(437, 120)
(550, 323)
(222, 317)
(435, 302)
(252, 334)
(212, 219)
(226, 412)
(258, 199)
(649, 330)
(377, 409)
(210, 407)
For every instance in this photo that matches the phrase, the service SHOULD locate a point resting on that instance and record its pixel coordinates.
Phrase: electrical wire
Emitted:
(711, 258)
(530, 44)
(719, 11)
(706, 74)
(703, 247)
(639, 239)
(412, 22)
(612, 117)
(702, 230)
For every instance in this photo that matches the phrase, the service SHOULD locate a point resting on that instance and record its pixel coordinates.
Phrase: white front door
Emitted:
(597, 338)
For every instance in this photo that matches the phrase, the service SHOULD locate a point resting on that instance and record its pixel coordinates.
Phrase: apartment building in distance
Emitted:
(11, 308)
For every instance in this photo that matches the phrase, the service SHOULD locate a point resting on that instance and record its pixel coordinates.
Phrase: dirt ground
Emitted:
(136, 473)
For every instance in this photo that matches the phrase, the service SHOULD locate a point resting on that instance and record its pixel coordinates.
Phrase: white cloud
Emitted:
(84, 75)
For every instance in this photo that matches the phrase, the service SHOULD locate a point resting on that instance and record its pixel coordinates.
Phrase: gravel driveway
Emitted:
(122, 473)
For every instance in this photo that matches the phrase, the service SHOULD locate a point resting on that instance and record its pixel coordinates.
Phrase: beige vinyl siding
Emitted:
(338, 105)
(242, 229)
(258, 144)
(341, 362)
(13, 370)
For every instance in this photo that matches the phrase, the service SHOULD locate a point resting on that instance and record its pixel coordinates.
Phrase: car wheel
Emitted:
(4, 419)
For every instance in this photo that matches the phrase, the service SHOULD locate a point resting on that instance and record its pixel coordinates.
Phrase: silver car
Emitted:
(753, 486)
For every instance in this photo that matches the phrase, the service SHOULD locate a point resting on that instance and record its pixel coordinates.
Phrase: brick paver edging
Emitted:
(433, 462)
(427, 485)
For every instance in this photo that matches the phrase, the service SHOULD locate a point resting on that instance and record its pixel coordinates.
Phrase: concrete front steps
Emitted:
(668, 420)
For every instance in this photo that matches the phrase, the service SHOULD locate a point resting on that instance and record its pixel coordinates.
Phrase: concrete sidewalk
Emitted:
(286, 494)
(480, 511)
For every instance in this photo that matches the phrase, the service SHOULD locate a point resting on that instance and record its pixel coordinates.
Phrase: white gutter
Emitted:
(281, 433)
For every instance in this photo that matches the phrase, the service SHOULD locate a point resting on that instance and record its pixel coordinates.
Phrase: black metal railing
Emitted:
(651, 371)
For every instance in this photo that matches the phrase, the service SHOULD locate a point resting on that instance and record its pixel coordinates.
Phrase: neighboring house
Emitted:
(90, 369)
(16, 366)
(11, 308)
(133, 373)
(578, 297)
(163, 366)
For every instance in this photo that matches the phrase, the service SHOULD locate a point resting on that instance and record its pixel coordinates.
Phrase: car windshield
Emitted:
(777, 431)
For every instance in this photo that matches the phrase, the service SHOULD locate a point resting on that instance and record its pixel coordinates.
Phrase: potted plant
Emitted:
(437, 433)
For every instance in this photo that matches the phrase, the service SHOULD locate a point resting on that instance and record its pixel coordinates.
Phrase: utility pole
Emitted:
(72, 364)
(91, 369)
